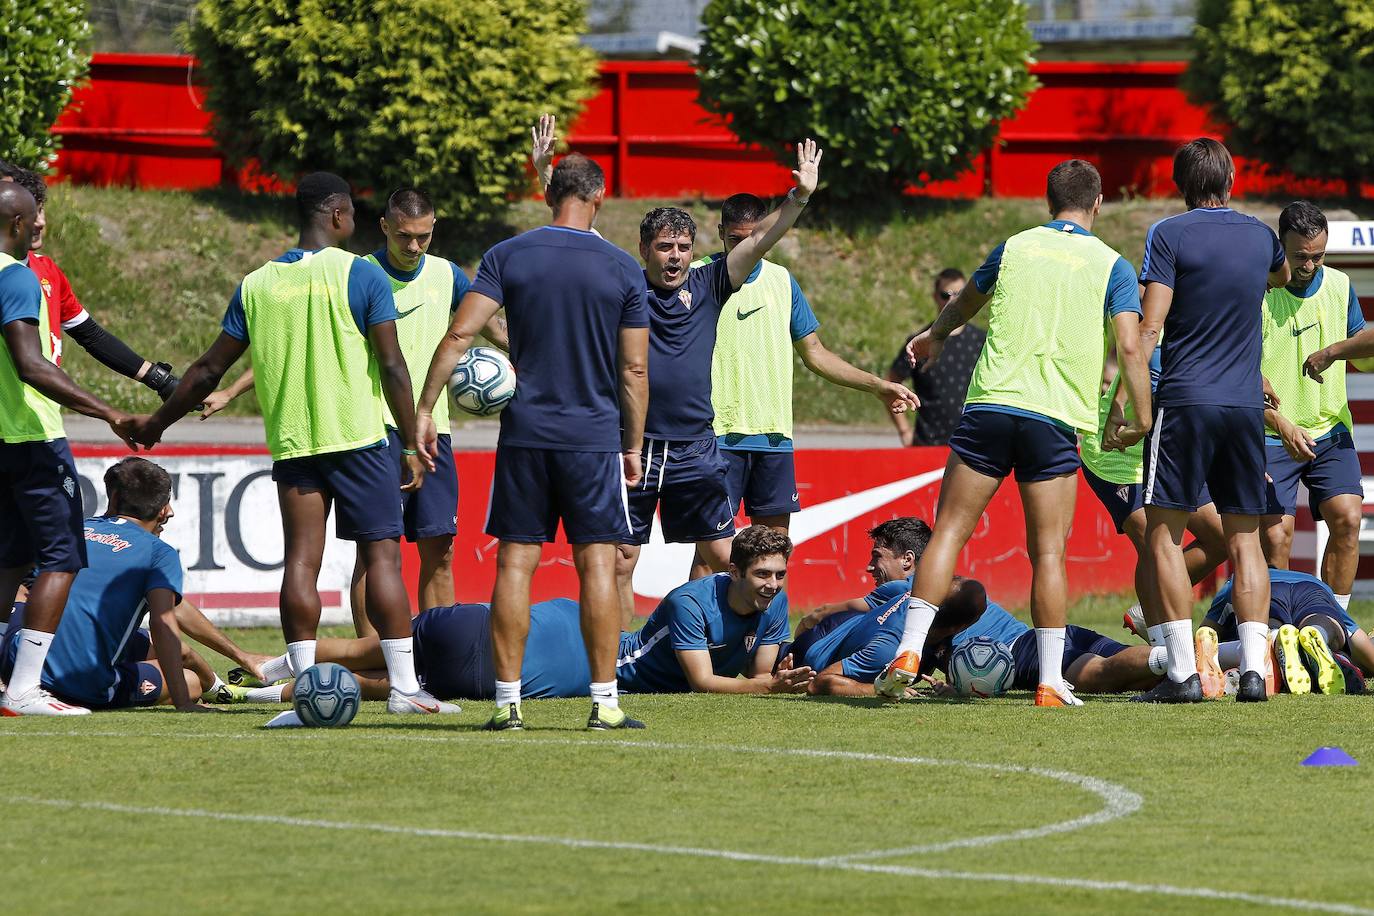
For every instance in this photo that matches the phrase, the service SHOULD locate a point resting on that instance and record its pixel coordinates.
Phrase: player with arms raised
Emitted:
(1052, 289)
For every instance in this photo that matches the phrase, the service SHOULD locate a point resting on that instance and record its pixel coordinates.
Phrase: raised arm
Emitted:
(745, 256)
(543, 138)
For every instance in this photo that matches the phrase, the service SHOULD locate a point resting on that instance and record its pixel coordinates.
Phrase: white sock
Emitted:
(1254, 643)
(605, 694)
(1050, 642)
(28, 661)
(1159, 660)
(1343, 601)
(216, 685)
(400, 664)
(920, 614)
(302, 655)
(1156, 634)
(507, 692)
(266, 694)
(1178, 638)
(1228, 655)
(277, 669)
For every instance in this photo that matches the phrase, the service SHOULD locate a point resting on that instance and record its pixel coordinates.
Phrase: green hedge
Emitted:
(42, 56)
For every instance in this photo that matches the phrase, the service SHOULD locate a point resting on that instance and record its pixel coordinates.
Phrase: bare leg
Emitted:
(303, 516)
(1276, 538)
(1250, 590)
(510, 606)
(700, 569)
(357, 598)
(363, 654)
(1208, 551)
(716, 553)
(1342, 515)
(1049, 513)
(436, 571)
(596, 571)
(776, 522)
(627, 556)
(388, 605)
(9, 588)
(193, 663)
(47, 598)
(1124, 671)
(1164, 534)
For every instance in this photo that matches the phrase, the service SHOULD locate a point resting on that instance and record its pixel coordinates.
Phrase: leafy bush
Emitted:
(41, 59)
(894, 90)
(1295, 80)
(440, 95)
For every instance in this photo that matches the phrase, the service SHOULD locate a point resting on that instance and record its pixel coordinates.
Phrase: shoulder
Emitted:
(19, 281)
(366, 270)
(1166, 227)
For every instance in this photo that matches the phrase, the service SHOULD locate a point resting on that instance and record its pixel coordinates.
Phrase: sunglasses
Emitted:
(948, 294)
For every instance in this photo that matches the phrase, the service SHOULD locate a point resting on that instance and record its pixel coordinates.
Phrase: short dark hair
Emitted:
(967, 601)
(1073, 184)
(758, 541)
(27, 179)
(900, 535)
(1304, 218)
(575, 175)
(1203, 171)
(948, 274)
(318, 192)
(660, 219)
(740, 209)
(409, 202)
(142, 488)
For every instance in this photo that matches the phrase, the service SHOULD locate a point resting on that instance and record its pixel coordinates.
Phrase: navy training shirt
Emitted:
(682, 340)
(1217, 262)
(567, 293)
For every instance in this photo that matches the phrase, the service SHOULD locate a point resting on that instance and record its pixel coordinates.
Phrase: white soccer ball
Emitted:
(327, 695)
(483, 382)
(981, 667)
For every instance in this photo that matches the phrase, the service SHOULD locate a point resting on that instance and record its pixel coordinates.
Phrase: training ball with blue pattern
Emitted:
(981, 667)
(327, 695)
(483, 382)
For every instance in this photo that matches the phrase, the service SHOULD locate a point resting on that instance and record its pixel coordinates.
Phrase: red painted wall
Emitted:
(139, 122)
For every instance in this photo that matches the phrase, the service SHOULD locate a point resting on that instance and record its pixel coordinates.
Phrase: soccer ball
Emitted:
(483, 382)
(327, 695)
(981, 667)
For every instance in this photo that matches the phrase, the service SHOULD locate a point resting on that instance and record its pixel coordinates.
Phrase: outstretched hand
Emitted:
(791, 680)
(808, 171)
(1317, 363)
(897, 397)
(136, 431)
(924, 348)
(543, 138)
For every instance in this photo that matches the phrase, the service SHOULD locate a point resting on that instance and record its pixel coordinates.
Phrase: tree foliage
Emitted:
(1293, 79)
(42, 56)
(440, 95)
(894, 90)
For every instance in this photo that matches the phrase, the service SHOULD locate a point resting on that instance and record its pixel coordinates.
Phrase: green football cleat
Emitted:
(604, 720)
(1289, 656)
(505, 719)
(1327, 674)
(242, 677)
(226, 694)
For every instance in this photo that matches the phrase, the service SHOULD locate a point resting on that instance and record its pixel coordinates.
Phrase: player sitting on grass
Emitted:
(1311, 636)
(702, 637)
(98, 657)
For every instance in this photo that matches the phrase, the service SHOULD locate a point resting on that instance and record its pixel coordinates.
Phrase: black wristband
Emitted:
(161, 379)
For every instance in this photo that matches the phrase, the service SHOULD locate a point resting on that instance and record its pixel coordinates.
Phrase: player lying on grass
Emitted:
(99, 659)
(720, 634)
(850, 644)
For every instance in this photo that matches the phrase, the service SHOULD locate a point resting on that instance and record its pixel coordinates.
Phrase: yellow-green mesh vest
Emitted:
(1296, 328)
(751, 368)
(25, 414)
(314, 372)
(1113, 467)
(1046, 321)
(424, 309)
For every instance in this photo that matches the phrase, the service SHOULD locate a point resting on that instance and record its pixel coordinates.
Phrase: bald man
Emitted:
(39, 498)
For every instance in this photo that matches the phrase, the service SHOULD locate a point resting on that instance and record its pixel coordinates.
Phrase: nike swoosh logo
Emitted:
(1297, 331)
(661, 565)
(34, 642)
(401, 314)
(741, 314)
(721, 526)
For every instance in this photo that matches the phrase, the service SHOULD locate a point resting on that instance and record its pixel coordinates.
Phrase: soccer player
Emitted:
(751, 376)
(65, 312)
(39, 499)
(1308, 436)
(99, 658)
(323, 327)
(1052, 290)
(1205, 274)
(571, 436)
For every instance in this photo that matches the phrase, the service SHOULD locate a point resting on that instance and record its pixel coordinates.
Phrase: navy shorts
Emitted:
(686, 482)
(137, 683)
(362, 485)
(40, 504)
(453, 652)
(1078, 642)
(532, 489)
(1122, 499)
(431, 511)
(1203, 445)
(764, 482)
(1335, 471)
(996, 443)
(1289, 603)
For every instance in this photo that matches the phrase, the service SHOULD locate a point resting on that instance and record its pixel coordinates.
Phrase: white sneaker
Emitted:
(1134, 620)
(421, 702)
(287, 719)
(38, 702)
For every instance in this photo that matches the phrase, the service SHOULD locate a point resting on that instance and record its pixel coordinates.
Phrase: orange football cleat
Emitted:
(1205, 644)
(902, 672)
(1045, 695)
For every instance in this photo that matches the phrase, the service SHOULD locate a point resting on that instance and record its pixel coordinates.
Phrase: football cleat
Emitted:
(1045, 695)
(225, 694)
(1326, 674)
(604, 720)
(242, 677)
(1252, 688)
(287, 719)
(1354, 677)
(1289, 656)
(38, 702)
(505, 719)
(422, 703)
(1209, 671)
(902, 672)
(1134, 620)
(1167, 691)
(1232, 681)
(1271, 668)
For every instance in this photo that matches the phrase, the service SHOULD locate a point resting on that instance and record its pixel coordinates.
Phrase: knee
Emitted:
(1344, 523)
(437, 552)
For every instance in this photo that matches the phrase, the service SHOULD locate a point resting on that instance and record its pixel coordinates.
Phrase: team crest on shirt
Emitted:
(749, 642)
(685, 296)
(146, 687)
(1123, 493)
(70, 486)
(47, 287)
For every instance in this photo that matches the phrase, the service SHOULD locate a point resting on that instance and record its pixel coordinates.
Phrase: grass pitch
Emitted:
(725, 804)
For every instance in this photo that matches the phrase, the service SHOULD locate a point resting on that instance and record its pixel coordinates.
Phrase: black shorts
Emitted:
(431, 511)
(685, 482)
(995, 443)
(1201, 446)
(533, 489)
(1334, 472)
(453, 652)
(41, 518)
(362, 484)
(764, 482)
